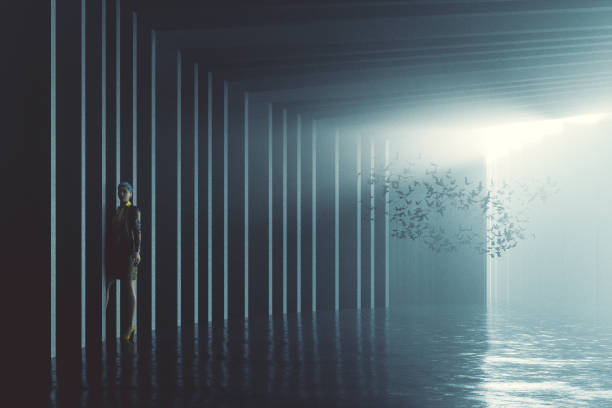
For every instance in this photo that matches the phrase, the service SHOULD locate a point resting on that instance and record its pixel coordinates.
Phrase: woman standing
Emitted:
(124, 239)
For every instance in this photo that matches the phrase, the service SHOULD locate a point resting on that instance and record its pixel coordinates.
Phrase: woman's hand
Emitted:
(135, 258)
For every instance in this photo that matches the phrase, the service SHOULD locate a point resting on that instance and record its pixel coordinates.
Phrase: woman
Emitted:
(124, 251)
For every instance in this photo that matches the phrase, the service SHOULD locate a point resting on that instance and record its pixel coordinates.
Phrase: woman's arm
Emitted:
(136, 237)
(136, 232)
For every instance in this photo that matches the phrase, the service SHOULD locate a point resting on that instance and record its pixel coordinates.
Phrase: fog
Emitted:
(566, 265)
(563, 263)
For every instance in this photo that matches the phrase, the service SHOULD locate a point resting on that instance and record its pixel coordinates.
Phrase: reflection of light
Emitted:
(528, 361)
(529, 386)
(544, 364)
(500, 139)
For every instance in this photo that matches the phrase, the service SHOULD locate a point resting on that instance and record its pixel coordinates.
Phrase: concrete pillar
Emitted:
(144, 139)
(187, 198)
(124, 77)
(290, 163)
(325, 217)
(348, 220)
(258, 167)
(379, 225)
(304, 146)
(69, 168)
(202, 133)
(278, 283)
(235, 205)
(167, 189)
(367, 218)
(94, 290)
(219, 259)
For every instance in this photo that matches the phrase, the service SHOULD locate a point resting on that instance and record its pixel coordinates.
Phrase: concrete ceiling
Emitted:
(369, 63)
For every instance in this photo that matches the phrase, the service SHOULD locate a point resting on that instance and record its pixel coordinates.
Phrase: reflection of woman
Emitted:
(124, 251)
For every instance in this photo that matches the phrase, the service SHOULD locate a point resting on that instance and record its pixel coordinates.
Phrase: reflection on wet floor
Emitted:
(421, 357)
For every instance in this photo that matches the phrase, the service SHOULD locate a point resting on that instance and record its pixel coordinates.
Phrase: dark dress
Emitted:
(123, 241)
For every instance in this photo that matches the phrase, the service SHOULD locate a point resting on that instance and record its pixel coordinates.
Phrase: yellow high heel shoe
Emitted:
(130, 337)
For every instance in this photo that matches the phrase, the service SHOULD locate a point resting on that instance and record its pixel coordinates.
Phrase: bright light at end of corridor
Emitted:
(499, 140)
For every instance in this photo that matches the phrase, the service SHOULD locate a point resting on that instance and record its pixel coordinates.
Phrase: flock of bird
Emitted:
(426, 206)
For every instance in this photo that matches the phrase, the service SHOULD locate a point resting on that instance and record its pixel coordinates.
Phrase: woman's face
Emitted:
(124, 194)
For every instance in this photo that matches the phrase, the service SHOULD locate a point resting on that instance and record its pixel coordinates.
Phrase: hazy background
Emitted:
(565, 266)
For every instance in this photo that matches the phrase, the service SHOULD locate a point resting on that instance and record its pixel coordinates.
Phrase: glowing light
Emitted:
(501, 139)
(486, 133)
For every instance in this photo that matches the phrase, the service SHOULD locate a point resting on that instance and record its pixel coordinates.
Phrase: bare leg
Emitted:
(131, 306)
(109, 283)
